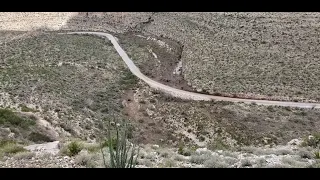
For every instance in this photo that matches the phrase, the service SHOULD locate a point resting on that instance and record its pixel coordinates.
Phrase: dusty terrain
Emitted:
(64, 87)
(51, 76)
(290, 155)
(171, 121)
(266, 55)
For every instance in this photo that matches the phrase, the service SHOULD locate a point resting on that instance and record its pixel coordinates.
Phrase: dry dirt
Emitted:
(74, 94)
(260, 55)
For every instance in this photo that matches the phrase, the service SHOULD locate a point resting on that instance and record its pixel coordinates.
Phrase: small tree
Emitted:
(122, 155)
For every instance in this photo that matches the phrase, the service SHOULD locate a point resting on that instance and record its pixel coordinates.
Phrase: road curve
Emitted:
(186, 94)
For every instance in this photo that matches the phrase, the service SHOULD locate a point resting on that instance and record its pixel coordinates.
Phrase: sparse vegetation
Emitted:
(200, 158)
(270, 56)
(87, 160)
(10, 118)
(317, 154)
(8, 147)
(57, 69)
(305, 154)
(24, 155)
(73, 148)
(313, 141)
(218, 144)
(128, 80)
(38, 137)
(168, 163)
(25, 108)
(246, 163)
(184, 151)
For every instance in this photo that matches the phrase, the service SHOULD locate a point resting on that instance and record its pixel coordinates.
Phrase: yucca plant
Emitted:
(122, 155)
(317, 154)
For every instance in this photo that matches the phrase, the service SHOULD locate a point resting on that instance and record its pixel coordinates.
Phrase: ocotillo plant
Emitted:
(122, 155)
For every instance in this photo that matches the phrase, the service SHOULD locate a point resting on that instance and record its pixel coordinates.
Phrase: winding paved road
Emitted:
(186, 94)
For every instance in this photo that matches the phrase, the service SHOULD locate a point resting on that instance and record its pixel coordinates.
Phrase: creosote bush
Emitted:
(74, 148)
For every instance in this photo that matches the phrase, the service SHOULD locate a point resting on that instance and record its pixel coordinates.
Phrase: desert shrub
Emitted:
(200, 158)
(122, 155)
(73, 148)
(313, 141)
(146, 162)
(150, 156)
(283, 152)
(152, 101)
(305, 154)
(218, 144)
(260, 162)
(278, 166)
(25, 108)
(184, 151)
(87, 160)
(164, 153)
(128, 80)
(230, 160)
(168, 163)
(24, 155)
(271, 108)
(317, 154)
(10, 147)
(314, 165)
(91, 147)
(215, 162)
(229, 154)
(179, 158)
(8, 117)
(290, 161)
(38, 137)
(246, 163)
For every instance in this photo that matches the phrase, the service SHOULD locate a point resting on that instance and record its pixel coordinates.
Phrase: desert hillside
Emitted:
(61, 94)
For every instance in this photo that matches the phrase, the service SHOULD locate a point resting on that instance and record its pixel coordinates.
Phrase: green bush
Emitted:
(25, 108)
(183, 151)
(8, 117)
(74, 148)
(313, 142)
(218, 144)
(317, 154)
(38, 137)
(8, 147)
(128, 80)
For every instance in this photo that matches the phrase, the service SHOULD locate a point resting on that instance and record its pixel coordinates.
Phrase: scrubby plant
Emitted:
(184, 151)
(168, 163)
(200, 158)
(25, 108)
(87, 160)
(74, 148)
(121, 153)
(24, 155)
(218, 144)
(305, 154)
(215, 162)
(8, 147)
(313, 141)
(8, 117)
(317, 154)
(245, 163)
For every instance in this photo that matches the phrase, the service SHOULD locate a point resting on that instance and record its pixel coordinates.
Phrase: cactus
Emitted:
(122, 155)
